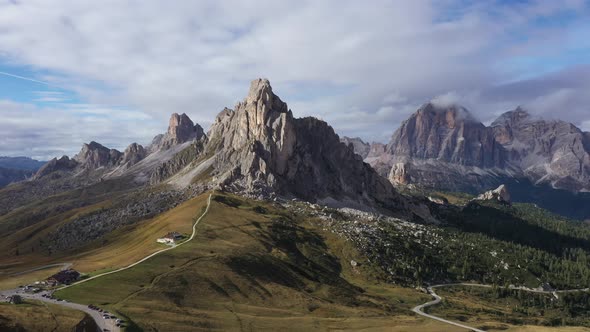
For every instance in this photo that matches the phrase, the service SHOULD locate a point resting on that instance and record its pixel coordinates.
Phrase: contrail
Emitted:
(25, 78)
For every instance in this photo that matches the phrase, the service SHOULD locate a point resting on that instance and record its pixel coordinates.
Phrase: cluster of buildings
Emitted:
(64, 277)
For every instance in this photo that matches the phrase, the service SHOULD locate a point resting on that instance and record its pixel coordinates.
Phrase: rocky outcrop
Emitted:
(358, 145)
(376, 150)
(89, 227)
(93, 156)
(180, 129)
(63, 164)
(499, 194)
(177, 163)
(133, 154)
(547, 151)
(261, 149)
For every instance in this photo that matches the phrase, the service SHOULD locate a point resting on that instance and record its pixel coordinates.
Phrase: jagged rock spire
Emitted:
(181, 129)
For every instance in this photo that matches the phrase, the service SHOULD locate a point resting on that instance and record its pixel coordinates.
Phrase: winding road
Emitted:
(437, 299)
(103, 324)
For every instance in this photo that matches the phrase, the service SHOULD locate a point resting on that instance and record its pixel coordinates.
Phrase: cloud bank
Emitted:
(363, 68)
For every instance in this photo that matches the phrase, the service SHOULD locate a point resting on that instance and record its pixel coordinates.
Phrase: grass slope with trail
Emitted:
(254, 265)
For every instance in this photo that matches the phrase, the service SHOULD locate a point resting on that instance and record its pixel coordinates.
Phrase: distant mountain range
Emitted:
(446, 148)
(14, 169)
(259, 149)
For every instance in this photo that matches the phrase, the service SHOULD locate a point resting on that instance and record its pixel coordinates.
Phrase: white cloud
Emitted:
(446, 100)
(384, 59)
(47, 132)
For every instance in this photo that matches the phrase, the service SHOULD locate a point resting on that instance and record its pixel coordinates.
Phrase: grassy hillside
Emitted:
(263, 265)
(255, 266)
(118, 248)
(39, 317)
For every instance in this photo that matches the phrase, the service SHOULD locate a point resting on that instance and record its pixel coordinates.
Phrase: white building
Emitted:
(170, 238)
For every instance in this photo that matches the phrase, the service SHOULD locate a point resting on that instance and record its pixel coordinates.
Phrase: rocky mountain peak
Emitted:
(263, 119)
(500, 194)
(133, 154)
(259, 148)
(358, 145)
(449, 134)
(261, 110)
(446, 115)
(547, 151)
(94, 155)
(181, 129)
(518, 115)
(62, 164)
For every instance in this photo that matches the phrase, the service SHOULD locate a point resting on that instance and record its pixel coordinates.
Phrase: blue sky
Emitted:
(106, 75)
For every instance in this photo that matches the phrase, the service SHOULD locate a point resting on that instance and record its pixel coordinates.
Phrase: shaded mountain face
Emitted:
(10, 175)
(22, 163)
(16, 169)
(548, 152)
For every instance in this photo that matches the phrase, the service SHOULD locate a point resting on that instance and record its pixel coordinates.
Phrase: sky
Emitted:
(113, 71)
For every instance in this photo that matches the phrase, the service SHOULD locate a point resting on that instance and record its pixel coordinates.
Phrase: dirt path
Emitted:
(149, 256)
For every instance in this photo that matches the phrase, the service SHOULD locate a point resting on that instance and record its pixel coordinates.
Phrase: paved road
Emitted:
(437, 299)
(101, 322)
(108, 324)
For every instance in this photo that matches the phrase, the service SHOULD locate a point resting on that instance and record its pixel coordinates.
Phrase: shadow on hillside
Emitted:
(501, 225)
(304, 262)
